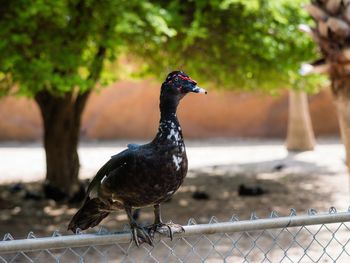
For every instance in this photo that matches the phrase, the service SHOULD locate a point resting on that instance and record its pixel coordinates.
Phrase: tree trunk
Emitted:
(300, 135)
(343, 109)
(332, 34)
(61, 118)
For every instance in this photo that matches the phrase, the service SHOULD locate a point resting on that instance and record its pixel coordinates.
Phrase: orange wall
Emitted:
(130, 110)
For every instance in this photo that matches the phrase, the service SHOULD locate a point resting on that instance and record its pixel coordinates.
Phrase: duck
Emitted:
(143, 175)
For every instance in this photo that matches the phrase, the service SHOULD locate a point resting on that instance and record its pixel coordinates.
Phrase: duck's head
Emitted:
(178, 83)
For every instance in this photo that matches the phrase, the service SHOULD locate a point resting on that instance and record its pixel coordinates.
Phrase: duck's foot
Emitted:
(168, 229)
(140, 235)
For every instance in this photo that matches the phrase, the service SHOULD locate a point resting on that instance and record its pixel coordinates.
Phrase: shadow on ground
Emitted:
(207, 192)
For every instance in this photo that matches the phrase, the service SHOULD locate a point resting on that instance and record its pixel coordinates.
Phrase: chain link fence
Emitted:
(315, 237)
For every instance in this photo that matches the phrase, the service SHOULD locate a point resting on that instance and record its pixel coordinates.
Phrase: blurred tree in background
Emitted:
(332, 35)
(236, 44)
(244, 45)
(56, 52)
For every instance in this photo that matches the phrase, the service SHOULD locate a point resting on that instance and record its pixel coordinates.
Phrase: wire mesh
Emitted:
(313, 237)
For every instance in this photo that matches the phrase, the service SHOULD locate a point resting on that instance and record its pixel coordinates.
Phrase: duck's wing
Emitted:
(114, 163)
(131, 146)
(96, 207)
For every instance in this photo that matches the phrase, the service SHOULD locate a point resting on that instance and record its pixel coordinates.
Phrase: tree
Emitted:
(331, 33)
(247, 45)
(300, 135)
(56, 52)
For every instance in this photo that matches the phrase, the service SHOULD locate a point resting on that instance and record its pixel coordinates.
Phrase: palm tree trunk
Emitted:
(332, 35)
(300, 135)
(343, 109)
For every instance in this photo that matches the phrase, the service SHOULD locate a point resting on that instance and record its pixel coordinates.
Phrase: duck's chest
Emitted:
(174, 162)
(168, 167)
(157, 177)
(168, 175)
(158, 169)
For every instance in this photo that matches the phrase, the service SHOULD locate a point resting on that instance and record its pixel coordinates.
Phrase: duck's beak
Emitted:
(199, 90)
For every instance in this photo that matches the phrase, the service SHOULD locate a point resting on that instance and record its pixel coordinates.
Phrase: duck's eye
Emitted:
(176, 78)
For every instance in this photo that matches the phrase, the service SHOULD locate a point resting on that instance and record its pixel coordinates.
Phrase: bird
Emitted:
(143, 175)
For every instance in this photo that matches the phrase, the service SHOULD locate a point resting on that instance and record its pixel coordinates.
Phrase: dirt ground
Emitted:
(315, 179)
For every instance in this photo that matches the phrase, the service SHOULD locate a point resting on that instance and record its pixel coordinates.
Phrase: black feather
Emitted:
(89, 215)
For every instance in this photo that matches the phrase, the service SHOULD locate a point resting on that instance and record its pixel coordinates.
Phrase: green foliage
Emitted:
(68, 45)
(237, 44)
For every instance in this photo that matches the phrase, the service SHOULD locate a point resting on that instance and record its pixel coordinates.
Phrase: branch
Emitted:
(95, 71)
(97, 64)
(80, 102)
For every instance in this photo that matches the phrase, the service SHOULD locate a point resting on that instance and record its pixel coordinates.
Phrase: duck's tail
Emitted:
(89, 215)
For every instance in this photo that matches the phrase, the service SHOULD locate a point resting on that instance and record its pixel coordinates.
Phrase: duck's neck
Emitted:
(169, 128)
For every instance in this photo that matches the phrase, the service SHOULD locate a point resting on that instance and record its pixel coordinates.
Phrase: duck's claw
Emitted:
(168, 229)
(140, 235)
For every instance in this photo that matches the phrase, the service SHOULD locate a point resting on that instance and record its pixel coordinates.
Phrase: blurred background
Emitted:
(228, 114)
(79, 80)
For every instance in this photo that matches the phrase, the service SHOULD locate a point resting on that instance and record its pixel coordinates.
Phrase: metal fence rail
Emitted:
(323, 237)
